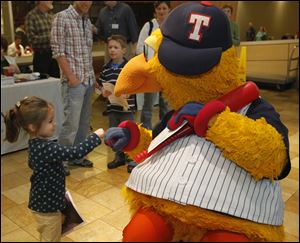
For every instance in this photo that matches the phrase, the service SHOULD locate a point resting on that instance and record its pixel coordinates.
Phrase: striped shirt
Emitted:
(110, 73)
(72, 37)
(193, 171)
(38, 27)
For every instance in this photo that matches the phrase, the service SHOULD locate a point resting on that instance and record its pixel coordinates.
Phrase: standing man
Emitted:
(117, 18)
(250, 33)
(72, 42)
(38, 27)
(235, 30)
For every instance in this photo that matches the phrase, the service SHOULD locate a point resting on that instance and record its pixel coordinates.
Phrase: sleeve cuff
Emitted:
(205, 114)
(58, 54)
(134, 134)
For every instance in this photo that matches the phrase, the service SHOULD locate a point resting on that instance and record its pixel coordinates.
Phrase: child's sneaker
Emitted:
(115, 164)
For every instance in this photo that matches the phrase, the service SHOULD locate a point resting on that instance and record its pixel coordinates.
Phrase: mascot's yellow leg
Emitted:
(147, 226)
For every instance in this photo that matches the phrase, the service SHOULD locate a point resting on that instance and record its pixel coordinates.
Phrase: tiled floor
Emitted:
(96, 191)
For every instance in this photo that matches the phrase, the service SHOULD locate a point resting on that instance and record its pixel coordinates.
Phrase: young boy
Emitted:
(118, 110)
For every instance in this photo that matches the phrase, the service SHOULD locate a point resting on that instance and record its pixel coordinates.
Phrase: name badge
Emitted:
(115, 26)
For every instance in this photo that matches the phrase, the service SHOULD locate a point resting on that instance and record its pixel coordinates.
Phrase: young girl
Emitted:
(47, 192)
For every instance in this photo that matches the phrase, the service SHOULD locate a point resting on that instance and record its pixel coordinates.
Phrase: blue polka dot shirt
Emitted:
(47, 192)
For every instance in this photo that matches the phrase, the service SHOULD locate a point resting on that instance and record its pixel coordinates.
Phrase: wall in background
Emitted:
(279, 17)
(220, 4)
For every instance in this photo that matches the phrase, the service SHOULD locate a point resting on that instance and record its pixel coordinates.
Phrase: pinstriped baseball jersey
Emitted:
(193, 171)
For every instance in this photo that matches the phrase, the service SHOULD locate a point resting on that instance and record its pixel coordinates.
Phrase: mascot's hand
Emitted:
(117, 138)
(187, 112)
(125, 137)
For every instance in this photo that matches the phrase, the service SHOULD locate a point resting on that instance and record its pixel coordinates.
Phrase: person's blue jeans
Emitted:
(163, 107)
(146, 114)
(77, 103)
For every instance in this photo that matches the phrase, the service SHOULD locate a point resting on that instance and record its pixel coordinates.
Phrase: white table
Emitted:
(48, 89)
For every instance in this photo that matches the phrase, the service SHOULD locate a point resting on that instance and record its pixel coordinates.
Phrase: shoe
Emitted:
(83, 163)
(115, 163)
(131, 166)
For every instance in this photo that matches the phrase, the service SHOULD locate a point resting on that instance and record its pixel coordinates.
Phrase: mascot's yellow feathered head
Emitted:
(190, 58)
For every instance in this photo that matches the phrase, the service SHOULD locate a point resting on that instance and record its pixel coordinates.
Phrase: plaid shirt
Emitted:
(38, 27)
(72, 37)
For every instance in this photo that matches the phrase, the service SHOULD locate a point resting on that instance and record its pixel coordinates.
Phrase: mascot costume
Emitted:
(210, 170)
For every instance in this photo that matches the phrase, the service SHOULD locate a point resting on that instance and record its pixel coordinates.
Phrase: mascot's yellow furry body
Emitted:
(251, 145)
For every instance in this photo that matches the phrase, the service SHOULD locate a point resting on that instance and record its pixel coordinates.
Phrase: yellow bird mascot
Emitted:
(210, 170)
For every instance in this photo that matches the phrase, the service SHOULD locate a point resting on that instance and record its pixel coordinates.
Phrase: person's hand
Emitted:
(105, 93)
(18, 52)
(94, 29)
(96, 85)
(187, 112)
(11, 68)
(117, 138)
(73, 82)
(100, 132)
(8, 71)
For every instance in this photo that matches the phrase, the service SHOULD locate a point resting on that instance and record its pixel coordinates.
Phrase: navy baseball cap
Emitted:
(194, 37)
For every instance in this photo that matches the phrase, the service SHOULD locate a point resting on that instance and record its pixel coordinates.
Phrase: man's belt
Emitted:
(40, 50)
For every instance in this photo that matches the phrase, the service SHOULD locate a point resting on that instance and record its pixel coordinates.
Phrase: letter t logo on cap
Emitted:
(199, 21)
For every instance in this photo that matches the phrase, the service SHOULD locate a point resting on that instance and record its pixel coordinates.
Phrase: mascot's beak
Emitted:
(136, 78)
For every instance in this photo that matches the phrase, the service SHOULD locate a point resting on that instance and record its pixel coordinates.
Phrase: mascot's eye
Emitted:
(148, 52)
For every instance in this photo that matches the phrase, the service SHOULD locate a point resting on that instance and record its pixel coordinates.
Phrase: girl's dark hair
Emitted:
(157, 3)
(29, 111)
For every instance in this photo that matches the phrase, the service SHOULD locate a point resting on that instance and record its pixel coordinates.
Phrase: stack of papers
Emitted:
(114, 100)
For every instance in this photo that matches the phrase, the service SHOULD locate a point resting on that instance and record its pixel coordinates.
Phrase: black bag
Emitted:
(151, 27)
